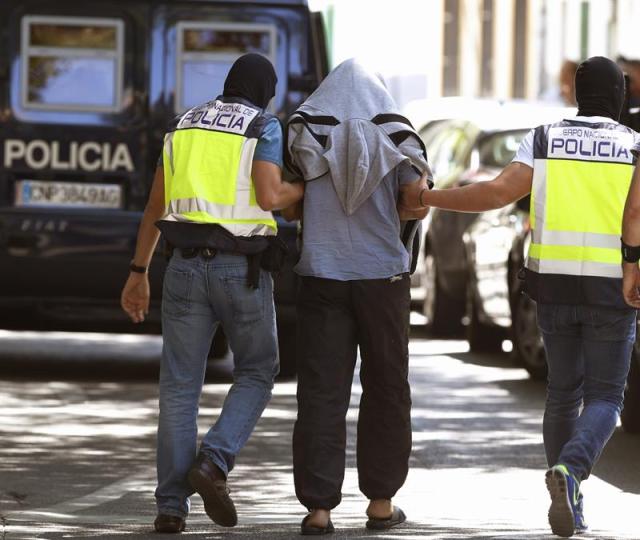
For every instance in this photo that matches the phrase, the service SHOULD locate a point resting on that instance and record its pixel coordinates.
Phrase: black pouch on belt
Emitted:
(272, 259)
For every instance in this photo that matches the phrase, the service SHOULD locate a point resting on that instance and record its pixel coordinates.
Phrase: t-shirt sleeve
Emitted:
(408, 174)
(525, 150)
(270, 144)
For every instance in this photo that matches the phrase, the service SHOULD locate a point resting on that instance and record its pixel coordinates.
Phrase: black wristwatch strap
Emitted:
(137, 269)
(630, 254)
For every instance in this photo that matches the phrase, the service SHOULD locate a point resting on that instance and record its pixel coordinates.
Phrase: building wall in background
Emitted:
(489, 48)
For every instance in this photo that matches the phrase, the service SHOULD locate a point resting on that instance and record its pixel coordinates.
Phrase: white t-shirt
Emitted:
(525, 150)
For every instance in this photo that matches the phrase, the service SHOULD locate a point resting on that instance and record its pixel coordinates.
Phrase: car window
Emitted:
(497, 150)
(449, 152)
(206, 51)
(72, 63)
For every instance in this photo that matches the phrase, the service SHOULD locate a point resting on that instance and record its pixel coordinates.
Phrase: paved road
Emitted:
(77, 436)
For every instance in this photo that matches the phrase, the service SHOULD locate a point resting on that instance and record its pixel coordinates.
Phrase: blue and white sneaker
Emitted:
(565, 513)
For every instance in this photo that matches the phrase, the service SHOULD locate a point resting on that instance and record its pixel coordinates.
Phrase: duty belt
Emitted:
(206, 253)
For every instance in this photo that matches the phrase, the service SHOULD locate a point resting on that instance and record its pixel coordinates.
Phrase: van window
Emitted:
(206, 51)
(72, 63)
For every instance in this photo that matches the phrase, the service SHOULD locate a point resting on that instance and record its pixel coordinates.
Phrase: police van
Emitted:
(87, 89)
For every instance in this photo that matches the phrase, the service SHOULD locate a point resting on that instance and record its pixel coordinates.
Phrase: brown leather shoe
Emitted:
(210, 483)
(169, 524)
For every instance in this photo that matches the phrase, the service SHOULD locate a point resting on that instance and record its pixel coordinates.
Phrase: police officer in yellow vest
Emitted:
(212, 196)
(578, 172)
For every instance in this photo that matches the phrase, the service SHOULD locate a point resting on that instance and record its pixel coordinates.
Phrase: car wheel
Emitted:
(441, 310)
(630, 416)
(287, 348)
(482, 338)
(527, 340)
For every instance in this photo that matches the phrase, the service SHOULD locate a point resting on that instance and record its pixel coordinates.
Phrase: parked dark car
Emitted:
(86, 92)
(497, 309)
(461, 151)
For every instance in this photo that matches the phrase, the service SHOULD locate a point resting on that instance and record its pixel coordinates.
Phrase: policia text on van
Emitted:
(86, 93)
(578, 172)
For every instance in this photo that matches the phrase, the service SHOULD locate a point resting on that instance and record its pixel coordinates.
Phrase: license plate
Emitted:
(70, 194)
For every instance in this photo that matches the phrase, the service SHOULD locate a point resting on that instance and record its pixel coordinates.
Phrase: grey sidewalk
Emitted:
(77, 460)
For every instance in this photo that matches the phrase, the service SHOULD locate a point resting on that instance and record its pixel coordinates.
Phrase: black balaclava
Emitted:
(599, 88)
(253, 78)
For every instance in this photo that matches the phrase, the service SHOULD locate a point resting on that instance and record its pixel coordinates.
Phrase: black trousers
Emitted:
(334, 318)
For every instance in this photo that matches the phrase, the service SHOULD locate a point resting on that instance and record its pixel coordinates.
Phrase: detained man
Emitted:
(355, 154)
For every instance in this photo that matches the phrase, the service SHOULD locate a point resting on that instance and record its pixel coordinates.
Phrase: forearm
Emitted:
(148, 235)
(478, 197)
(631, 227)
(287, 194)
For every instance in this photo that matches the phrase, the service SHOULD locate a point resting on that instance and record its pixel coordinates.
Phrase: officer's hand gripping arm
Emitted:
(271, 192)
(512, 184)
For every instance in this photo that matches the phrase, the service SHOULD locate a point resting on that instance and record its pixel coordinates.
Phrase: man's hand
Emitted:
(135, 297)
(272, 193)
(631, 284)
(408, 215)
(409, 200)
(293, 212)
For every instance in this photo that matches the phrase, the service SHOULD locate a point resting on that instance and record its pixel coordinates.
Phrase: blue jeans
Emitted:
(588, 354)
(198, 295)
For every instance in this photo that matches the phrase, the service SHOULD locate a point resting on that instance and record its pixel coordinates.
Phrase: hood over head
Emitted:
(251, 77)
(600, 88)
(350, 128)
(351, 91)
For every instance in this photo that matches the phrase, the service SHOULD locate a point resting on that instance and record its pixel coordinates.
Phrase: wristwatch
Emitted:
(630, 254)
(137, 269)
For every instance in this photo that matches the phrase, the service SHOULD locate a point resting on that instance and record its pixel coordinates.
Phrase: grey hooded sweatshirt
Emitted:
(353, 168)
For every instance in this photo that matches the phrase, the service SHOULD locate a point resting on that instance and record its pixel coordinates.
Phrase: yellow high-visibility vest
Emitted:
(581, 178)
(207, 168)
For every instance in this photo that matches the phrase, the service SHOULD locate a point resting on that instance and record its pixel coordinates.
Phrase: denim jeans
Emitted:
(588, 354)
(198, 295)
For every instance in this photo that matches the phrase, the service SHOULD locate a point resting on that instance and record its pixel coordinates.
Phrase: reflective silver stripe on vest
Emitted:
(570, 238)
(168, 148)
(539, 193)
(237, 229)
(574, 268)
(179, 207)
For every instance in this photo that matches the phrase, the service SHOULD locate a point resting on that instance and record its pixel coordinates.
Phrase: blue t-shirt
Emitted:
(364, 245)
(270, 143)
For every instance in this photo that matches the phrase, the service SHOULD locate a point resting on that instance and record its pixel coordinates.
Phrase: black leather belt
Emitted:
(206, 253)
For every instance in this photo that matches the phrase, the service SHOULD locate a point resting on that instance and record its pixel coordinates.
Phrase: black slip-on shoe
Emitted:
(382, 524)
(311, 530)
(210, 483)
(169, 524)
